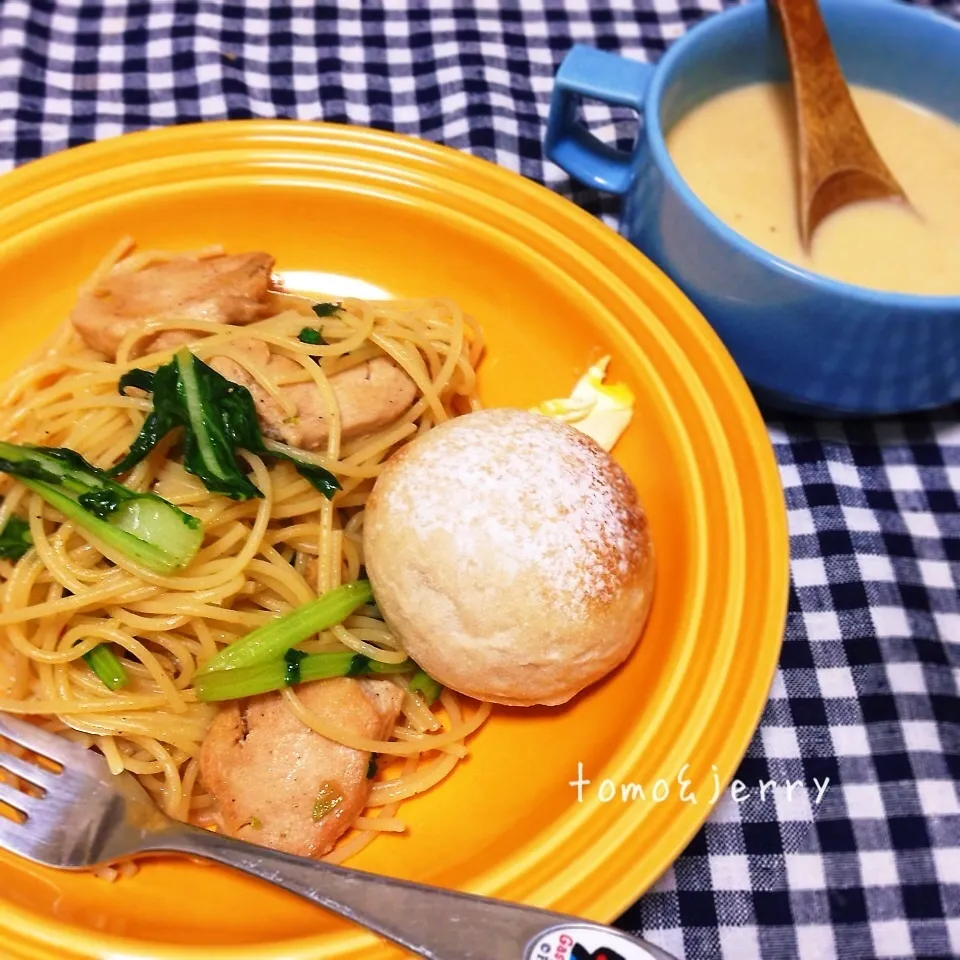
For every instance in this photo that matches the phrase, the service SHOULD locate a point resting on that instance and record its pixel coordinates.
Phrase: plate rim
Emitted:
(58, 168)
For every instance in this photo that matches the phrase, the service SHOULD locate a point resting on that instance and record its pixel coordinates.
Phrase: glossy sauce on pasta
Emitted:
(259, 558)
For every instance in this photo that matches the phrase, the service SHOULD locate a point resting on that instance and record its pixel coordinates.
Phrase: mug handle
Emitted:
(603, 76)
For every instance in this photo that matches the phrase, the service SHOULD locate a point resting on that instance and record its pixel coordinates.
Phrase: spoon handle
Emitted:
(839, 162)
(428, 921)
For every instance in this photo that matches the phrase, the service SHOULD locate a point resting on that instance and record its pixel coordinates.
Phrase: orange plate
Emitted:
(554, 290)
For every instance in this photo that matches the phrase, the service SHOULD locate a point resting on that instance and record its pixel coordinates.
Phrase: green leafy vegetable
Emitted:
(142, 526)
(293, 673)
(272, 640)
(325, 309)
(421, 682)
(101, 503)
(319, 478)
(160, 421)
(104, 663)
(141, 379)
(313, 336)
(15, 538)
(218, 417)
(188, 393)
(288, 671)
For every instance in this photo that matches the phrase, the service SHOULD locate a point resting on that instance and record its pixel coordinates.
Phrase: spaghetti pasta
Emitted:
(258, 558)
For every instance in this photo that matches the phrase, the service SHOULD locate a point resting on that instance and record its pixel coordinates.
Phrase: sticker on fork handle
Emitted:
(574, 942)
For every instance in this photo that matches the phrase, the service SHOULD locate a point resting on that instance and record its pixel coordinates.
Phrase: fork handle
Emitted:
(428, 921)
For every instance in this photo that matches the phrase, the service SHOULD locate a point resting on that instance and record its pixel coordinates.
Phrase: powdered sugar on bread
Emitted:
(511, 555)
(579, 530)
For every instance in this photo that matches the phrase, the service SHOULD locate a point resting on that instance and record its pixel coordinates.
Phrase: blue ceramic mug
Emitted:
(803, 341)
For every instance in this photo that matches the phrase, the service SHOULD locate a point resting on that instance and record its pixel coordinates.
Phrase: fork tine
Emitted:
(47, 744)
(17, 799)
(27, 771)
(24, 843)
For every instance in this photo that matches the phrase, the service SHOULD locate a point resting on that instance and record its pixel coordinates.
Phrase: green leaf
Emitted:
(287, 671)
(141, 379)
(421, 682)
(218, 417)
(165, 416)
(292, 659)
(141, 526)
(15, 538)
(358, 665)
(275, 638)
(325, 309)
(104, 663)
(221, 416)
(319, 478)
(29, 469)
(101, 503)
(313, 336)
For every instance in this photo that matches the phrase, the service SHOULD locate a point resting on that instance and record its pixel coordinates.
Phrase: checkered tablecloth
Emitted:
(867, 691)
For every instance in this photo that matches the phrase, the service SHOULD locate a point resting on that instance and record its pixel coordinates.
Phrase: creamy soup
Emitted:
(738, 153)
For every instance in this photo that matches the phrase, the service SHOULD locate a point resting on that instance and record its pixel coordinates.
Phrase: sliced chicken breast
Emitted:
(225, 289)
(369, 396)
(281, 785)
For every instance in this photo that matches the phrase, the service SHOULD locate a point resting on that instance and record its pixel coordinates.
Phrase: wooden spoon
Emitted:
(838, 162)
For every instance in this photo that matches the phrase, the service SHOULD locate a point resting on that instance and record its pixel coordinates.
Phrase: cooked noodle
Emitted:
(259, 558)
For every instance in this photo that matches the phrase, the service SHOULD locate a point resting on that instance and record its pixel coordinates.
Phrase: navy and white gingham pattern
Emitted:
(868, 691)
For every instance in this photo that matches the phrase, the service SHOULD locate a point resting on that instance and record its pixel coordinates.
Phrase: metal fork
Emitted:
(89, 817)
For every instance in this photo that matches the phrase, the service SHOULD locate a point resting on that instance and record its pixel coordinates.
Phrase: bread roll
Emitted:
(511, 555)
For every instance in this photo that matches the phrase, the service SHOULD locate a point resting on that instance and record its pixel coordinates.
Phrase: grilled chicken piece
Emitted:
(279, 784)
(369, 396)
(225, 289)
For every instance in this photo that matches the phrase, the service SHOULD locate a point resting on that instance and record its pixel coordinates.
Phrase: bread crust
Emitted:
(512, 556)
